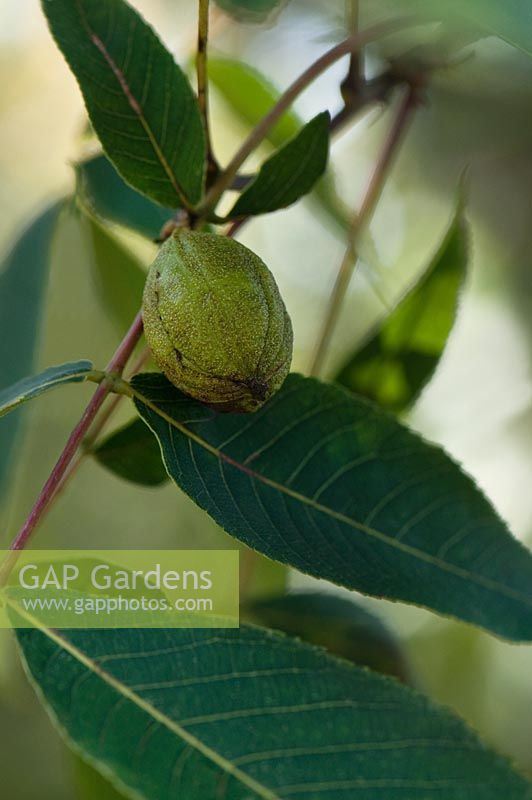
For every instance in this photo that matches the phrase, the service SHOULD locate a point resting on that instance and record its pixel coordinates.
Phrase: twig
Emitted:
(116, 366)
(103, 418)
(203, 86)
(407, 106)
(350, 86)
(259, 133)
(235, 226)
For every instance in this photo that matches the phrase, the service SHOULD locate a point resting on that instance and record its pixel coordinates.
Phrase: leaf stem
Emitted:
(407, 106)
(115, 367)
(203, 86)
(352, 44)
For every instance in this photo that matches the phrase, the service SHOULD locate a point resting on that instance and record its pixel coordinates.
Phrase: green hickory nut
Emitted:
(215, 321)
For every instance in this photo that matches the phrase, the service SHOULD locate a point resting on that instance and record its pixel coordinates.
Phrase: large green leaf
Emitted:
(28, 388)
(400, 356)
(101, 189)
(134, 454)
(23, 280)
(246, 714)
(118, 275)
(341, 626)
(139, 101)
(334, 486)
(290, 173)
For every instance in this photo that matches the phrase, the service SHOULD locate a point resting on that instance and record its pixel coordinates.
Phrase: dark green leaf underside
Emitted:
(290, 173)
(246, 714)
(102, 190)
(28, 388)
(133, 453)
(139, 101)
(400, 357)
(326, 482)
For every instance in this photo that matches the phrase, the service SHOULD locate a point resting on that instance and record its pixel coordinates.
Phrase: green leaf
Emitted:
(250, 96)
(134, 454)
(339, 625)
(139, 101)
(28, 388)
(247, 714)
(290, 173)
(23, 280)
(118, 276)
(249, 10)
(400, 357)
(511, 20)
(334, 486)
(101, 189)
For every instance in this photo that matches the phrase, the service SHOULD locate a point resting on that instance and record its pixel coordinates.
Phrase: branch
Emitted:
(408, 105)
(259, 133)
(203, 86)
(116, 366)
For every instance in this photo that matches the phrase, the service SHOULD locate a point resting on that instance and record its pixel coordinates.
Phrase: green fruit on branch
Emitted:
(215, 321)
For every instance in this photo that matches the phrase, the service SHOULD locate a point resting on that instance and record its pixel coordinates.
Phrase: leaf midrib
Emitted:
(148, 708)
(410, 550)
(133, 102)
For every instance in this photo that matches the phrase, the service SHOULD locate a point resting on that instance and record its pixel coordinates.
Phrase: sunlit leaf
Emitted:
(101, 189)
(247, 714)
(341, 626)
(134, 454)
(139, 101)
(403, 352)
(23, 281)
(28, 388)
(290, 173)
(334, 486)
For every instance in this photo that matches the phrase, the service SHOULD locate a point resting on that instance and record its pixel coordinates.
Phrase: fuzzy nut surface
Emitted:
(215, 321)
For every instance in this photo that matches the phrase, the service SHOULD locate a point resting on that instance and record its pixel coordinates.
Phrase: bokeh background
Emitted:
(479, 404)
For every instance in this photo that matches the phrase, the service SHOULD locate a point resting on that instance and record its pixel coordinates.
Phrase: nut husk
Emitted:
(215, 321)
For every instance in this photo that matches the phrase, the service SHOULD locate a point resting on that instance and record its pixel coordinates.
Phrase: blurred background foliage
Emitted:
(478, 405)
